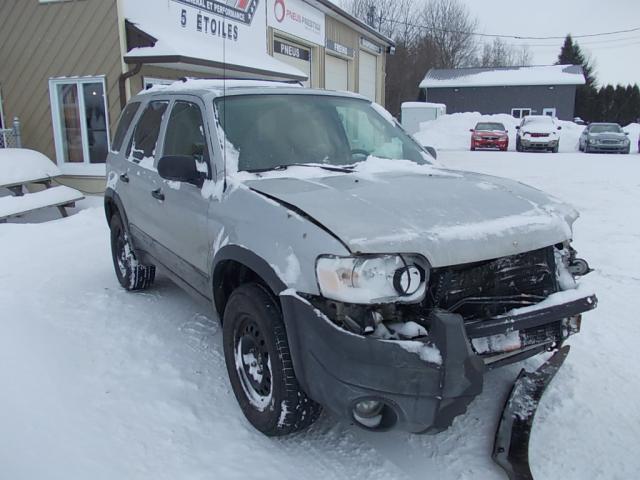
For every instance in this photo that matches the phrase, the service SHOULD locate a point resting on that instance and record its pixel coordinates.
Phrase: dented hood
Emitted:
(449, 217)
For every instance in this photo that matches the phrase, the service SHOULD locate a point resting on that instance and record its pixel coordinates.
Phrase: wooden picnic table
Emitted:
(22, 167)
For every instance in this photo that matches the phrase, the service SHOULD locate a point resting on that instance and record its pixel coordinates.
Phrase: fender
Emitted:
(110, 195)
(250, 260)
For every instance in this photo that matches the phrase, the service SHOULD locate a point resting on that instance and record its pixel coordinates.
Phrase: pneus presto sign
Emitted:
(297, 18)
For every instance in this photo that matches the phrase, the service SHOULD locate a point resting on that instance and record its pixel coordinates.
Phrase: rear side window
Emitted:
(185, 132)
(123, 125)
(145, 137)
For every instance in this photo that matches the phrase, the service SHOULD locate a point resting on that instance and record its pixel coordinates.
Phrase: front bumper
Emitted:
(501, 144)
(338, 369)
(542, 143)
(608, 147)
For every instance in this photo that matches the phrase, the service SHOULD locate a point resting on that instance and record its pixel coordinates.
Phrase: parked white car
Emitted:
(538, 132)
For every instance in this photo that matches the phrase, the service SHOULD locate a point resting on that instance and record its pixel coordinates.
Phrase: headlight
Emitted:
(373, 279)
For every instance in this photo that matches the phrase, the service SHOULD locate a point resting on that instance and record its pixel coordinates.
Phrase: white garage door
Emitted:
(294, 55)
(368, 75)
(336, 73)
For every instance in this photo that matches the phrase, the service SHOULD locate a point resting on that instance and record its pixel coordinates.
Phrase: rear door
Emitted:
(142, 200)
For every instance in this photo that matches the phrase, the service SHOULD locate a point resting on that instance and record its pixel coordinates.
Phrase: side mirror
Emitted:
(180, 168)
(471, 130)
(506, 131)
(517, 127)
(432, 151)
(626, 133)
(559, 128)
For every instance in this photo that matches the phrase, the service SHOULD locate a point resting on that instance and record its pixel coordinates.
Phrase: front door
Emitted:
(184, 208)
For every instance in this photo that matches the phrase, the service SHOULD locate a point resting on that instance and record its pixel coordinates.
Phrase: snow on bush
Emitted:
(451, 132)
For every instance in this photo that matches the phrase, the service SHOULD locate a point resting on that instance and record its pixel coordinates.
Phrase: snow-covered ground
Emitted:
(451, 132)
(102, 384)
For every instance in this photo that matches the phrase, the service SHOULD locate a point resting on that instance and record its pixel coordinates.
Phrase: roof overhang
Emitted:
(209, 67)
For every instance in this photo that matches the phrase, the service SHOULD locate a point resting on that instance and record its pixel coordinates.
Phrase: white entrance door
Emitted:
(336, 73)
(294, 55)
(368, 75)
(550, 112)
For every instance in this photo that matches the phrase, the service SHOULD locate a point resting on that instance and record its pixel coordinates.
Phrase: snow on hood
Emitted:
(449, 217)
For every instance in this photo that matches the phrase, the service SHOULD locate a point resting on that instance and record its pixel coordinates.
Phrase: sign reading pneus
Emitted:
(298, 18)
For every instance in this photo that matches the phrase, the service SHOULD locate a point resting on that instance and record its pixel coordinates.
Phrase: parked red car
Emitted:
(490, 135)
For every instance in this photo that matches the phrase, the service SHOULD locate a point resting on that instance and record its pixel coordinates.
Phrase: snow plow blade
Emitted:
(511, 447)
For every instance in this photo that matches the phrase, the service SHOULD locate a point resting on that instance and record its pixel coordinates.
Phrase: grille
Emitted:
(491, 288)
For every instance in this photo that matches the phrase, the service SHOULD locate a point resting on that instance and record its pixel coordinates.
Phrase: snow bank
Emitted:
(451, 132)
(634, 134)
(19, 165)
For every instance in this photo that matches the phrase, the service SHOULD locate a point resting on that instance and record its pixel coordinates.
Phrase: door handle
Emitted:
(124, 177)
(157, 194)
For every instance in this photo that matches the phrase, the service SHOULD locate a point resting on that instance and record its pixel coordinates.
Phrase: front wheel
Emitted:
(131, 274)
(555, 149)
(259, 364)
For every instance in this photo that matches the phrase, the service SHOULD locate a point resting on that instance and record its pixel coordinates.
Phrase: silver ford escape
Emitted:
(349, 272)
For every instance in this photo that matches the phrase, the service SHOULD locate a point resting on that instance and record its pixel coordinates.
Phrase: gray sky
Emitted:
(617, 57)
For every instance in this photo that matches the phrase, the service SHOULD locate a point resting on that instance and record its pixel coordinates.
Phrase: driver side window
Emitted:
(185, 133)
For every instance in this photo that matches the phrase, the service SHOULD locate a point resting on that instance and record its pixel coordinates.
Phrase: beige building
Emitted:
(68, 66)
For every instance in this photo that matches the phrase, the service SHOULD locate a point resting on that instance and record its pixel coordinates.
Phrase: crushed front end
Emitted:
(416, 366)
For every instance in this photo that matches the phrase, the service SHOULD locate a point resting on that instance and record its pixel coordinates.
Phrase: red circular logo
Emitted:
(279, 10)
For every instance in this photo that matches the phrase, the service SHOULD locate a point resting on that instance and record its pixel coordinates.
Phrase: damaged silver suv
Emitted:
(349, 272)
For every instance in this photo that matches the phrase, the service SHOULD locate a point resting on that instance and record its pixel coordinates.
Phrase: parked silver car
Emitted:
(348, 271)
(604, 137)
(538, 132)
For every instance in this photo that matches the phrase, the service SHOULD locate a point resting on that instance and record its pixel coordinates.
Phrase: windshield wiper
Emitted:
(331, 168)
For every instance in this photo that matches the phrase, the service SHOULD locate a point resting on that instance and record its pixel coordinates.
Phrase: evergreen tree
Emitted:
(586, 95)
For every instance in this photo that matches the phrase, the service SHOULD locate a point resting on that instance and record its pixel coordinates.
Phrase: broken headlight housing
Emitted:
(373, 279)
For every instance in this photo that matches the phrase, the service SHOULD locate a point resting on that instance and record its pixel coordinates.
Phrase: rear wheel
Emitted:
(259, 364)
(131, 274)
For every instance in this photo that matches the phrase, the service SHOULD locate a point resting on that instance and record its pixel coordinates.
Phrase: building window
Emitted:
(80, 124)
(520, 112)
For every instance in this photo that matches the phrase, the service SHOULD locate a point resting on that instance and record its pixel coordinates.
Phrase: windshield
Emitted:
(489, 127)
(605, 128)
(272, 131)
(540, 119)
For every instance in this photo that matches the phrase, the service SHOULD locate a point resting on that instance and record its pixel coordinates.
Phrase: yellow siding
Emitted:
(41, 41)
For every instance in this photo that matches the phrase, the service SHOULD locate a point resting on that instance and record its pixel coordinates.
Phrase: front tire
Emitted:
(131, 274)
(518, 146)
(259, 364)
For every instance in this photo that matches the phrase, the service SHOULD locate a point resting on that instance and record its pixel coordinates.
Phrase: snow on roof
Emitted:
(504, 76)
(423, 105)
(217, 85)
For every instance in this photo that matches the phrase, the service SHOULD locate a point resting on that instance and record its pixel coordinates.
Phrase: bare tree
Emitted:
(390, 17)
(450, 27)
(501, 54)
